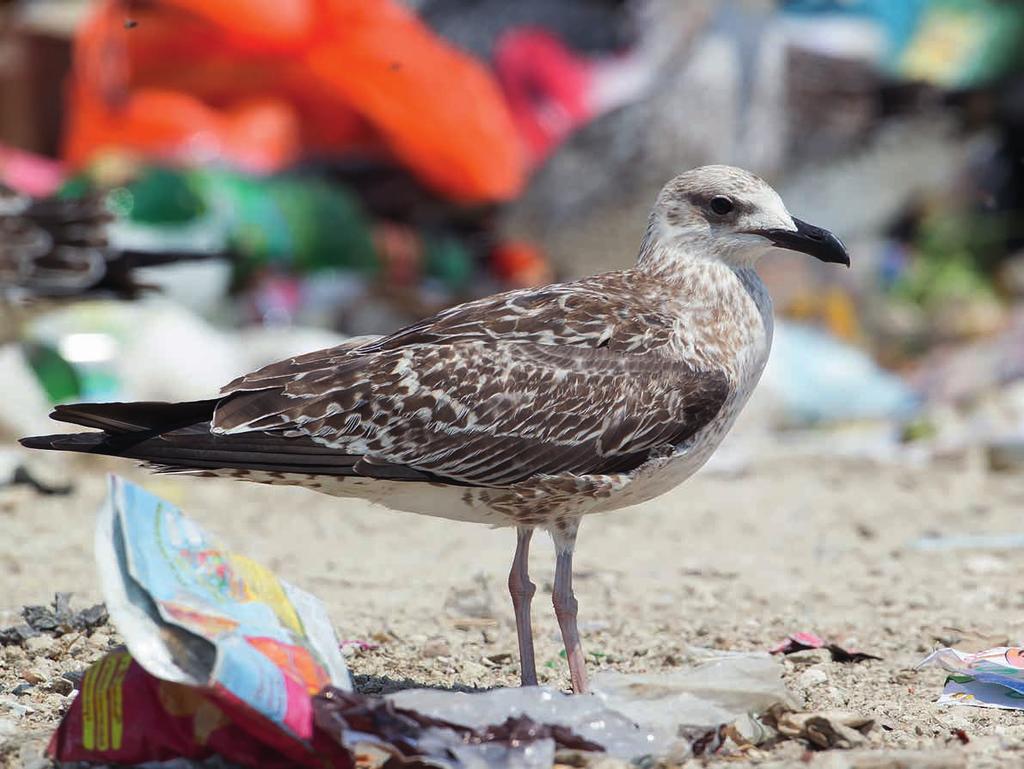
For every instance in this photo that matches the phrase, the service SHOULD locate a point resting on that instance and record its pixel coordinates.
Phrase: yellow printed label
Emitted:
(103, 702)
(261, 585)
(117, 707)
(89, 707)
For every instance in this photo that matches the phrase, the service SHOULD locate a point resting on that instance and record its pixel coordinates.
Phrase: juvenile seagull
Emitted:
(530, 408)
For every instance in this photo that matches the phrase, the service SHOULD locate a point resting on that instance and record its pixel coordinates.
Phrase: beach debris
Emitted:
(58, 619)
(717, 689)
(357, 645)
(223, 658)
(359, 724)
(802, 641)
(993, 678)
(631, 716)
(822, 729)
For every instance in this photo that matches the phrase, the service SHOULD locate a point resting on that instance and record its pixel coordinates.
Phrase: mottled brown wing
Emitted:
(599, 312)
(279, 373)
(486, 413)
(607, 310)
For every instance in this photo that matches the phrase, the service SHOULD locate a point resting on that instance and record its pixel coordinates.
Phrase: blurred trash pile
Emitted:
(223, 658)
(356, 166)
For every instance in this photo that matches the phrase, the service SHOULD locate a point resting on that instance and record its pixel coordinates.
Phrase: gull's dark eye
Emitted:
(721, 205)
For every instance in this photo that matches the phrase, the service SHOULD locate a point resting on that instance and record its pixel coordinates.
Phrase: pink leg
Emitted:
(565, 608)
(522, 590)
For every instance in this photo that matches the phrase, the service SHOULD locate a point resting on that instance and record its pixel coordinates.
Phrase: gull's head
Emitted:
(733, 216)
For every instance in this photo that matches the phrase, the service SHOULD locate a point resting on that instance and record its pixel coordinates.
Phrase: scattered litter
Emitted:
(824, 729)
(57, 619)
(357, 645)
(748, 731)
(718, 689)
(224, 659)
(222, 656)
(16, 635)
(630, 716)
(989, 679)
(588, 717)
(802, 641)
(358, 724)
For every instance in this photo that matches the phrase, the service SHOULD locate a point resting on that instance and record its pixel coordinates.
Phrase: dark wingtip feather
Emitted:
(88, 442)
(37, 441)
(140, 416)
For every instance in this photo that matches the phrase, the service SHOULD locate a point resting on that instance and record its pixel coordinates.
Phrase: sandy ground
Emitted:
(731, 561)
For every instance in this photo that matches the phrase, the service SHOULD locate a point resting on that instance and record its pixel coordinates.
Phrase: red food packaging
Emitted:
(124, 715)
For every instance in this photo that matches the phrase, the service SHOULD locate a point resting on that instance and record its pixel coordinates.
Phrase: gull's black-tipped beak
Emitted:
(811, 240)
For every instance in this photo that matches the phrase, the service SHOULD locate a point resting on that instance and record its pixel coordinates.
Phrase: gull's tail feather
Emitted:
(176, 437)
(124, 428)
(140, 416)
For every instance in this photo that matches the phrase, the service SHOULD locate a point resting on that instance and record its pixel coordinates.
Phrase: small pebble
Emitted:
(99, 641)
(473, 670)
(10, 706)
(32, 675)
(76, 645)
(811, 677)
(435, 647)
(40, 645)
(62, 686)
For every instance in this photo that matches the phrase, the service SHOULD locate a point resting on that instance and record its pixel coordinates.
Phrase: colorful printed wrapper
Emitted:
(222, 656)
(990, 679)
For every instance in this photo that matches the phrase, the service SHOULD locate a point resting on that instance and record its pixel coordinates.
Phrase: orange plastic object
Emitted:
(518, 263)
(259, 137)
(336, 77)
